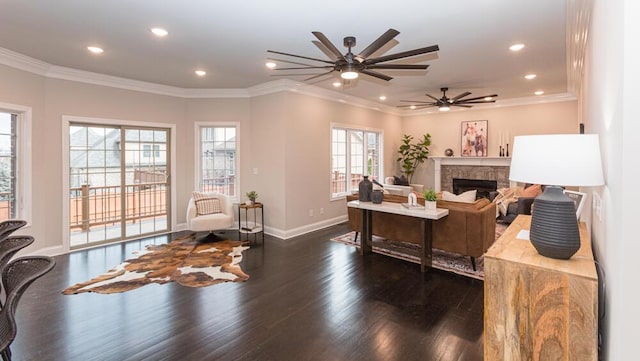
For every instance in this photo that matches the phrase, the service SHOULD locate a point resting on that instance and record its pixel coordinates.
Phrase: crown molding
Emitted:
(23, 62)
(577, 31)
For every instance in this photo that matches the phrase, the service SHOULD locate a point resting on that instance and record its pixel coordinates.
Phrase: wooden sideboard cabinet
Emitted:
(539, 308)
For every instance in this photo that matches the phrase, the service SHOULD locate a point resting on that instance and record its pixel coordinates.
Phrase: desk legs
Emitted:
(426, 256)
(365, 239)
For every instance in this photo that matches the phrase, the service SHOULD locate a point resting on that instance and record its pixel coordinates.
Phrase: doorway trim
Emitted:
(66, 123)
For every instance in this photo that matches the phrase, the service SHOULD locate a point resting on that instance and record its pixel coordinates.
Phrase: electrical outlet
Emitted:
(321, 210)
(597, 206)
(310, 212)
(255, 171)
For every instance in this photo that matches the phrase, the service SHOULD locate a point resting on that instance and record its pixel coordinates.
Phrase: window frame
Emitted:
(198, 150)
(23, 185)
(353, 128)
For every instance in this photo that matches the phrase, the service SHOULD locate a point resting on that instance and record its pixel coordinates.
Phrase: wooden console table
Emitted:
(539, 308)
(427, 218)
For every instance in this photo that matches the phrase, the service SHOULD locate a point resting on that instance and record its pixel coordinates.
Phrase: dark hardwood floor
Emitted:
(307, 299)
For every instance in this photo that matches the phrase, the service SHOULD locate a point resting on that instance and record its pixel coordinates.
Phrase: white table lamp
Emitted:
(556, 160)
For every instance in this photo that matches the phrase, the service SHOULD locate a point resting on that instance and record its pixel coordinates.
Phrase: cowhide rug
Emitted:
(182, 260)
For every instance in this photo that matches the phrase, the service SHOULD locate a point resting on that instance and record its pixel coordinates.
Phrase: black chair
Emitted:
(8, 248)
(9, 226)
(17, 277)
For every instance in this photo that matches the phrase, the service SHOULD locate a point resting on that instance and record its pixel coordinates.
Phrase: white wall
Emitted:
(609, 109)
(445, 128)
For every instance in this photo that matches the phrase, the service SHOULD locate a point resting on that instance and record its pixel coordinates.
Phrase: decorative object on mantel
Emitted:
(412, 155)
(474, 138)
(448, 152)
(365, 187)
(556, 160)
(503, 138)
(430, 199)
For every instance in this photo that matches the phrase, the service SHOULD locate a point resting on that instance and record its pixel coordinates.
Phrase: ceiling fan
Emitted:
(445, 103)
(349, 65)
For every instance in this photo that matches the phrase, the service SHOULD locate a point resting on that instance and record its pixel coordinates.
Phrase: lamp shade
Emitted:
(557, 159)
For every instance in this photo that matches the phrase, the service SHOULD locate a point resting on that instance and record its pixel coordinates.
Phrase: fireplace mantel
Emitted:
(439, 161)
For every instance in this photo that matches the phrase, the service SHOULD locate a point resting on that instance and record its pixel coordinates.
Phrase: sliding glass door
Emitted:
(118, 183)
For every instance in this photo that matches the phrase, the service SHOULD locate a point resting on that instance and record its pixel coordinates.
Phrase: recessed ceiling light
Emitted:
(530, 76)
(539, 92)
(516, 47)
(412, 107)
(159, 32)
(337, 84)
(200, 72)
(270, 65)
(95, 49)
(382, 97)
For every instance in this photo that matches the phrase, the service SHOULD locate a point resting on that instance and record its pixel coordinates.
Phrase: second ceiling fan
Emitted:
(445, 103)
(350, 66)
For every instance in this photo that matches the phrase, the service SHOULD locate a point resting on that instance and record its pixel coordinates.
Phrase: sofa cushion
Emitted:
(532, 191)
(472, 206)
(206, 204)
(466, 197)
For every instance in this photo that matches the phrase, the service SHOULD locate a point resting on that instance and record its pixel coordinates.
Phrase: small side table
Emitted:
(251, 225)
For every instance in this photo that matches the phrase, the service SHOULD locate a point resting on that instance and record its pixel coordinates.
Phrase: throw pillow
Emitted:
(206, 204)
(466, 197)
(532, 191)
(401, 181)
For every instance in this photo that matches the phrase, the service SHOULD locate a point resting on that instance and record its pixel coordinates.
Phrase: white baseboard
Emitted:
(48, 251)
(290, 233)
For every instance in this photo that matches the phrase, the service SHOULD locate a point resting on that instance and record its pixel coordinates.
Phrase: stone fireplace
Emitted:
(470, 168)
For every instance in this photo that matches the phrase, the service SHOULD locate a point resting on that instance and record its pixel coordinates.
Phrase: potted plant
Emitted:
(252, 195)
(430, 200)
(412, 155)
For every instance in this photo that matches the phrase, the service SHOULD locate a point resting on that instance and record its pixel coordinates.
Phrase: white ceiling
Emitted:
(229, 39)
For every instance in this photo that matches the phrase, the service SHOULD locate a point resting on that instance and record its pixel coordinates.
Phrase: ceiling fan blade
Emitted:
(319, 75)
(305, 67)
(478, 98)
(434, 98)
(398, 66)
(460, 96)
(418, 107)
(417, 102)
(477, 102)
(379, 43)
(300, 74)
(404, 54)
(376, 74)
(300, 56)
(323, 39)
(289, 62)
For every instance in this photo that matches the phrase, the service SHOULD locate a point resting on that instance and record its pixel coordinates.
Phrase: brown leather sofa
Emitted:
(469, 229)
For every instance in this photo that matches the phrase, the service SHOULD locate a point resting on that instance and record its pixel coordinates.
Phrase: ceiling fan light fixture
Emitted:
(349, 74)
(444, 108)
(488, 99)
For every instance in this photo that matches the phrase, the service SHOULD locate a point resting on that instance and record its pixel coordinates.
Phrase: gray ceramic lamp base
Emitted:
(554, 225)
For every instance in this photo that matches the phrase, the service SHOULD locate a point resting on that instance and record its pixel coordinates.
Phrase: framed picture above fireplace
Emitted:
(473, 136)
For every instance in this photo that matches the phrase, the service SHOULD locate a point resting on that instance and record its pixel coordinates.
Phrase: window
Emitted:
(15, 162)
(8, 155)
(354, 153)
(218, 159)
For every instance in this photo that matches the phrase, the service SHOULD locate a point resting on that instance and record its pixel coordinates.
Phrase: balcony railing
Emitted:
(96, 206)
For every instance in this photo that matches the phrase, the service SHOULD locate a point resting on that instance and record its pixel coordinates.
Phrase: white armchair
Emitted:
(210, 212)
